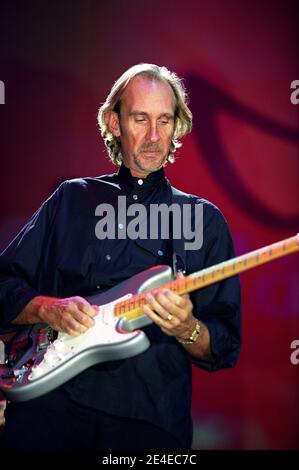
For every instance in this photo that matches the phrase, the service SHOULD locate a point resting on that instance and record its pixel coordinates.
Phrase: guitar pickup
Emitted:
(45, 337)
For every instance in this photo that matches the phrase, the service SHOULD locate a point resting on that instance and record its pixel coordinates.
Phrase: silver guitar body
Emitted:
(109, 339)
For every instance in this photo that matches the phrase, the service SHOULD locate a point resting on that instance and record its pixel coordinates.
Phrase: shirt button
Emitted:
(140, 182)
(98, 286)
(160, 253)
(120, 225)
(135, 197)
(108, 257)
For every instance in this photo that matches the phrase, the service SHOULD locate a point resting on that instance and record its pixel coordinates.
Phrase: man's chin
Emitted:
(151, 164)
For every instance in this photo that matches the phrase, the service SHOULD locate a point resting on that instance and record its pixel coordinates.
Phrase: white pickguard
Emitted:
(104, 332)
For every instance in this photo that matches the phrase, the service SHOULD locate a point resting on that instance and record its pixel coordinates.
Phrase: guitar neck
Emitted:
(133, 308)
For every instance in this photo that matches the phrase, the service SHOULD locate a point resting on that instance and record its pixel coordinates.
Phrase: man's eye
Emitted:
(165, 120)
(140, 120)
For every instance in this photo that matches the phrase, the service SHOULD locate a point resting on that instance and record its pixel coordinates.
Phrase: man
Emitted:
(142, 402)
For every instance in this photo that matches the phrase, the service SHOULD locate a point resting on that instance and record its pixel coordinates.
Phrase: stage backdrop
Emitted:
(58, 61)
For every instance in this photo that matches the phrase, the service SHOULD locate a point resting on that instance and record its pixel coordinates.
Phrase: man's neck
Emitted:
(137, 173)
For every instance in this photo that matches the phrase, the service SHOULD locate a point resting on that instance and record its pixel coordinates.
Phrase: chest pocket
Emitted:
(160, 251)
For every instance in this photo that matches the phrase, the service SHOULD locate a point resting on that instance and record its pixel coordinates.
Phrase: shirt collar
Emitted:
(131, 182)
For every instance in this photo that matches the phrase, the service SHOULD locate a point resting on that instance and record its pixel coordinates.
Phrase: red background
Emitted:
(58, 61)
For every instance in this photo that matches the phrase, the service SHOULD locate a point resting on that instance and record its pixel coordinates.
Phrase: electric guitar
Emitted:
(37, 363)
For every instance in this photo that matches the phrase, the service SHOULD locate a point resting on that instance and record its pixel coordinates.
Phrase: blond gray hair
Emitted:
(183, 115)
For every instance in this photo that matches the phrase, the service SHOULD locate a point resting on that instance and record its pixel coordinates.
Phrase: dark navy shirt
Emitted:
(58, 254)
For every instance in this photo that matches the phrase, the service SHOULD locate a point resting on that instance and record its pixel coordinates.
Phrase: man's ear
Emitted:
(112, 121)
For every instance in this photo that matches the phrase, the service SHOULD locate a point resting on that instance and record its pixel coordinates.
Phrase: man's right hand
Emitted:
(71, 315)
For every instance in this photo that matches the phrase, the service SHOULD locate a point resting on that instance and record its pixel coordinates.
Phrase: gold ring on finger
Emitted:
(169, 317)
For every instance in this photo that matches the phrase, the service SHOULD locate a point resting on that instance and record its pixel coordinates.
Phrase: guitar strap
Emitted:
(177, 244)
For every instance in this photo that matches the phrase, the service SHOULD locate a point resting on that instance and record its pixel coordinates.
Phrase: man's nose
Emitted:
(153, 133)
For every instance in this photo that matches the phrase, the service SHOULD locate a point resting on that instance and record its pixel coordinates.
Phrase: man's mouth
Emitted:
(151, 152)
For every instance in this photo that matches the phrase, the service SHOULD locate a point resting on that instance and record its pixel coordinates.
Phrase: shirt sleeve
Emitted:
(20, 261)
(218, 305)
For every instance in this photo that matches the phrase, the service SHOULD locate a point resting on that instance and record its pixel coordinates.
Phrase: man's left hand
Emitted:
(171, 312)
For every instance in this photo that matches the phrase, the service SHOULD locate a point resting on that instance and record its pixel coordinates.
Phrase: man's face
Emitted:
(146, 125)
